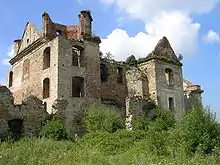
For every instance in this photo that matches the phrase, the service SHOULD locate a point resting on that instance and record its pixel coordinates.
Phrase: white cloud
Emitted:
(180, 31)
(170, 18)
(212, 37)
(146, 9)
(10, 54)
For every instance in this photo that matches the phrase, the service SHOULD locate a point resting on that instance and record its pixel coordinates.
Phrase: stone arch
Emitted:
(46, 60)
(46, 88)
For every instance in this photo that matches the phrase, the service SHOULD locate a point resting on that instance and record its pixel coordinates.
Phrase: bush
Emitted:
(112, 143)
(140, 123)
(200, 131)
(102, 118)
(162, 120)
(53, 129)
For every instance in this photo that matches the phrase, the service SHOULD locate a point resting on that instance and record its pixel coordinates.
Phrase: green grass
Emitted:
(131, 150)
(193, 141)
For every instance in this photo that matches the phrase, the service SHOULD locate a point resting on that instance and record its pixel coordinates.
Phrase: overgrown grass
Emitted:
(193, 141)
(106, 151)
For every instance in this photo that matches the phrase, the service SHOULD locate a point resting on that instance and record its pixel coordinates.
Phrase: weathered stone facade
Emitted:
(20, 120)
(63, 63)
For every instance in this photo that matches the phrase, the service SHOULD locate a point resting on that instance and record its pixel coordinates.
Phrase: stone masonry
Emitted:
(20, 120)
(61, 65)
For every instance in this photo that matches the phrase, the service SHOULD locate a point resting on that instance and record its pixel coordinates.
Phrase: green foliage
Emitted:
(112, 143)
(140, 123)
(158, 140)
(53, 129)
(200, 131)
(131, 60)
(102, 118)
(162, 120)
(180, 57)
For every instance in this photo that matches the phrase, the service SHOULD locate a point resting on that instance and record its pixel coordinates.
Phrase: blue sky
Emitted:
(133, 27)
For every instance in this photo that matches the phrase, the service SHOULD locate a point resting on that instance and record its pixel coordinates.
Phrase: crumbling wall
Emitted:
(138, 107)
(137, 83)
(112, 91)
(30, 114)
(193, 97)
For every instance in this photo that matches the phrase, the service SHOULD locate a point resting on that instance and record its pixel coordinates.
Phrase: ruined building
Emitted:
(63, 62)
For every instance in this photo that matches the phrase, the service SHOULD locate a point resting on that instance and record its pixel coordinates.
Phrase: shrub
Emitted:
(131, 60)
(140, 123)
(102, 118)
(200, 131)
(162, 120)
(53, 129)
(112, 143)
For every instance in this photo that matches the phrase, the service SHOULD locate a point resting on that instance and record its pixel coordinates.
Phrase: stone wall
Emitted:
(32, 84)
(174, 90)
(112, 91)
(148, 68)
(193, 97)
(138, 107)
(30, 115)
(137, 83)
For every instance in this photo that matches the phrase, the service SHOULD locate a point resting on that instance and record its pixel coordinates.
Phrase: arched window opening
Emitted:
(169, 76)
(171, 104)
(28, 41)
(103, 72)
(10, 79)
(77, 87)
(46, 88)
(46, 61)
(26, 67)
(58, 32)
(120, 75)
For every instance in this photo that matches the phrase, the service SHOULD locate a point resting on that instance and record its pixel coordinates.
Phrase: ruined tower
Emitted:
(164, 73)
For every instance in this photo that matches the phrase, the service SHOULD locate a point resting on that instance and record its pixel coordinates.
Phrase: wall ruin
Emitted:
(20, 120)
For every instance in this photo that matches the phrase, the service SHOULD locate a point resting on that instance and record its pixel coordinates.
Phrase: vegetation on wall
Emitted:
(160, 140)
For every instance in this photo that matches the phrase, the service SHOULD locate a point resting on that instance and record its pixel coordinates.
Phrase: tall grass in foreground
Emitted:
(193, 141)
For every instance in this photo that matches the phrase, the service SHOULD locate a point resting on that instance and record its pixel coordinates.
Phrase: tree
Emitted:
(131, 60)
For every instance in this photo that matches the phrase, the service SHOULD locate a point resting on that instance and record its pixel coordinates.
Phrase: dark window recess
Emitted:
(119, 75)
(16, 127)
(76, 57)
(45, 106)
(10, 83)
(58, 32)
(46, 88)
(104, 72)
(169, 76)
(171, 104)
(77, 87)
(46, 60)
